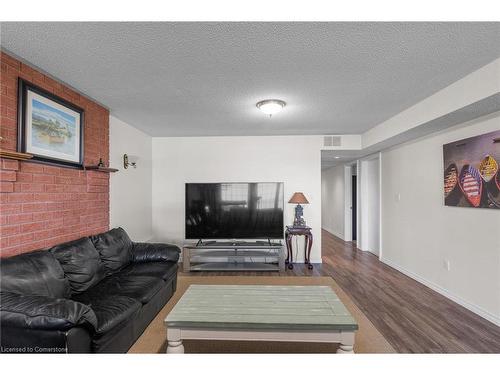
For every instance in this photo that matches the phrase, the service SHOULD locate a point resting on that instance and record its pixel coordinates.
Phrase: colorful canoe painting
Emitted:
(488, 168)
(477, 182)
(471, 184)
(450, 179)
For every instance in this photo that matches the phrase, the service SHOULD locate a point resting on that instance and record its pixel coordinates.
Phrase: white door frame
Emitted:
(361, 241)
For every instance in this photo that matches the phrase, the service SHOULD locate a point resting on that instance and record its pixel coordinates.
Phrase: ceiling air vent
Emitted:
(332, 141)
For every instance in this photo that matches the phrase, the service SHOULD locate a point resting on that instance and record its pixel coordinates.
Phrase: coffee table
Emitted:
(260, 313)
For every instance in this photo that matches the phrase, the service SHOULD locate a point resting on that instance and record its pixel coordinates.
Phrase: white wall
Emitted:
(472, 88)
(130, 189)
(333, 200)
(294, 160)
(419, 233)
(369, 222)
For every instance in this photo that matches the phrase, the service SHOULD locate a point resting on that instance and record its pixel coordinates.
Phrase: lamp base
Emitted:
(299, 220)
(301, 223)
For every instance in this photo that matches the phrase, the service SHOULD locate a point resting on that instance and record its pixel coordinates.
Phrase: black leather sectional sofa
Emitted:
(95, 294)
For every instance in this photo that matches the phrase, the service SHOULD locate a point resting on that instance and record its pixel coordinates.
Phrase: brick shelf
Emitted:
(100, 169)
(14, 155)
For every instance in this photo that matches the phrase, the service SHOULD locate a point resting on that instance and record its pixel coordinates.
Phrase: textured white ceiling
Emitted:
(183, 79)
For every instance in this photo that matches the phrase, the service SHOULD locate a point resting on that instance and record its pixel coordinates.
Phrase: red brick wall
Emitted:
(43, 205)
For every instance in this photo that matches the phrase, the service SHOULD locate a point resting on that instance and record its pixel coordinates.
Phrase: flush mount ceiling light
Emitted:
(271, 106)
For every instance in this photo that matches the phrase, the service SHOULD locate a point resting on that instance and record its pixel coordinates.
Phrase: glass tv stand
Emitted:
(233, 256)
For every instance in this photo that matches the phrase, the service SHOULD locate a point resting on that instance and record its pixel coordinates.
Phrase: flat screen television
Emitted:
(251, 210)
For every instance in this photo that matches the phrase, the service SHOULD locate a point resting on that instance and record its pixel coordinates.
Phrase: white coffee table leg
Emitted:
(175, 347)
(346, 343)
(174, 342)
(345, 349)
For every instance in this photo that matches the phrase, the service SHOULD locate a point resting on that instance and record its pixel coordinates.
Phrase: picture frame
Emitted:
(472, 171)
(49, 127)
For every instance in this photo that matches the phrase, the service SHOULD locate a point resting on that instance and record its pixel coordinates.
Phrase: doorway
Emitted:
(351, 198)
(369, 205)
(354, 207)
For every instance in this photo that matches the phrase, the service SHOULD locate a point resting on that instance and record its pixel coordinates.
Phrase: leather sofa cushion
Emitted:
(140, 288)
(153, 252)
(111, 311)
(36, 273)
(163, 270)
(43, 312)
(115, 249)
(81, 263)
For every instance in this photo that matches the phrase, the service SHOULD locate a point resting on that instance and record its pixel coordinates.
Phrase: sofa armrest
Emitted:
(43, 312)
(154, 252)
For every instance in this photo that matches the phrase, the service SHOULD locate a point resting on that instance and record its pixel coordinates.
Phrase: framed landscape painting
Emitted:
(50, 128)
(471, 172)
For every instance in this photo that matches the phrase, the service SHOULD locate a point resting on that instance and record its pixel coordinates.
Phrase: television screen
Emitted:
(234, 210)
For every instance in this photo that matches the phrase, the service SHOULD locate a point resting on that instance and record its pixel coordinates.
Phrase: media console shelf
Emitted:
(233, 256)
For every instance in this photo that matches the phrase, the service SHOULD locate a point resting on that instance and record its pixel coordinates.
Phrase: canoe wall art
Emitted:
(471, 172)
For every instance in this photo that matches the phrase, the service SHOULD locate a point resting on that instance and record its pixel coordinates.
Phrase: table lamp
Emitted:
(298, 198)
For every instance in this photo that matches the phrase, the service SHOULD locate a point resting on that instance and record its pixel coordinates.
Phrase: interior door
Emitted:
(354, 208)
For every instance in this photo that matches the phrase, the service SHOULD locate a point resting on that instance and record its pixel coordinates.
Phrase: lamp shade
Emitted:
(298, 198)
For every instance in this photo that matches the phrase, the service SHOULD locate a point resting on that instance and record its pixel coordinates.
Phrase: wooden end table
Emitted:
(298, 231)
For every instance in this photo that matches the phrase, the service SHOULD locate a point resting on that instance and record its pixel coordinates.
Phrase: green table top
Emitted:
(261, 307)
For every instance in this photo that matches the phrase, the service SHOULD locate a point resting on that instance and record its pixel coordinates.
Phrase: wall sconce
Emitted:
(129, 161)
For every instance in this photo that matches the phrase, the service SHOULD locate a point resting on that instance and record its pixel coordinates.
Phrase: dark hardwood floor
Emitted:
(412, 317)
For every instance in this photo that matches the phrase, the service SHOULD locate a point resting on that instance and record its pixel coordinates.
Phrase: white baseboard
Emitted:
(331, 231)
(445, 292)
(316, 261)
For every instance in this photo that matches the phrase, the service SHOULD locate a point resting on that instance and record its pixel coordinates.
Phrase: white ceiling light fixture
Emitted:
(271, 106)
